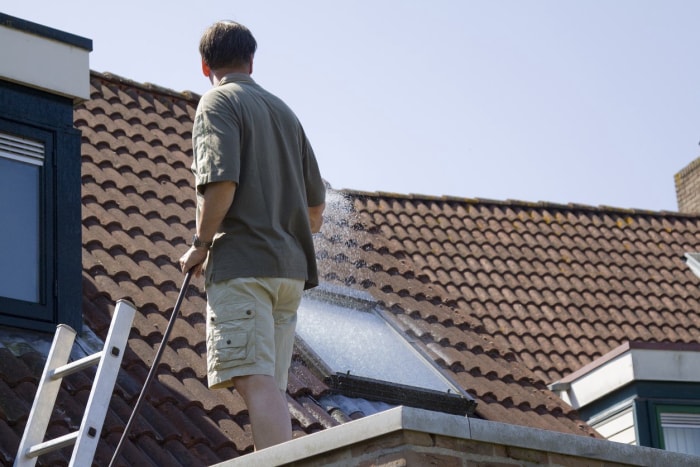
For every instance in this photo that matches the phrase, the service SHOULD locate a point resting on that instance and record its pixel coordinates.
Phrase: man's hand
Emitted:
(193, 259)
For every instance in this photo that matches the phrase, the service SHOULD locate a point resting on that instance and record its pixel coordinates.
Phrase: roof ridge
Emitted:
(516, 203)
(150, 87)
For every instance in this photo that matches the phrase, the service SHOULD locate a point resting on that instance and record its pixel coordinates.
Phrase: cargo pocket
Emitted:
(233, 341)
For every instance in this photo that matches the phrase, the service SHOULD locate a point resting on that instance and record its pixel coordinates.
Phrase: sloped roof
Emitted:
(512, 296)
(505, 296)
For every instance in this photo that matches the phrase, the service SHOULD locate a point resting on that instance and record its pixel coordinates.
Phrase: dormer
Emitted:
(43, 74)
(642, 393)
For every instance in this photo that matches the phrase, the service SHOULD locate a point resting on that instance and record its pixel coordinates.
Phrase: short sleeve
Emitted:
(315, 188)
(216, 140)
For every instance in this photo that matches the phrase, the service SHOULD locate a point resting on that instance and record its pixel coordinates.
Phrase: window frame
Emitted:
(41, 309)
(667, 407)
(454, 400)
(648, 395)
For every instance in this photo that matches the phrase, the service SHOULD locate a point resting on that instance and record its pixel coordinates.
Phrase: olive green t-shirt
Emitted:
(245, 134)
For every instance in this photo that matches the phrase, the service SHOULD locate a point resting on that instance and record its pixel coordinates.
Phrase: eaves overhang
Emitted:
(44, 58)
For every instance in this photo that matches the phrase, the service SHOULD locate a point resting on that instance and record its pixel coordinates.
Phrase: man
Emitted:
(260, 197)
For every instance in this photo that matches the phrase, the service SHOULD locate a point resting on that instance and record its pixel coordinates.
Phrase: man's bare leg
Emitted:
(267, 408)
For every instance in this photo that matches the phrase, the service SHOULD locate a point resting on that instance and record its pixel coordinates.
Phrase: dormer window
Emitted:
(40, 241)
(641, 393)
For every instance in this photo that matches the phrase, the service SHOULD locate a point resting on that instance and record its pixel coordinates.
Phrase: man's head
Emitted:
(227, 45)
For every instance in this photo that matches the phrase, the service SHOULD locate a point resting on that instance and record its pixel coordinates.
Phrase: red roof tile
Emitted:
(554, 286)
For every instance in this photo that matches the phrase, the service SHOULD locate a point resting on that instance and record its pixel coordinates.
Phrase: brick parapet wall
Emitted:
(688, 188)
(410, 448)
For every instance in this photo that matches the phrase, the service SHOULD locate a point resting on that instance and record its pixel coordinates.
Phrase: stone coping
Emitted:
(399, 419)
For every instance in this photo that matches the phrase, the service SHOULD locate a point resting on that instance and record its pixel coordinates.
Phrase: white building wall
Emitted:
(618, 427)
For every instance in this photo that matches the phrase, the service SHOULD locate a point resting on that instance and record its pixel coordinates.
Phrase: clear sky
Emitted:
(567, 101)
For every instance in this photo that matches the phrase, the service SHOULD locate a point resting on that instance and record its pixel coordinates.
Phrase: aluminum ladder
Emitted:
(108, 361)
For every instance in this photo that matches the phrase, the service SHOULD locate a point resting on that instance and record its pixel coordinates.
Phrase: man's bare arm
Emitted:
(214, 203)
(316, 217)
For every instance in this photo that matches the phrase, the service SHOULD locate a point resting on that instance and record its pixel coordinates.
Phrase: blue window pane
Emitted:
(19, 230)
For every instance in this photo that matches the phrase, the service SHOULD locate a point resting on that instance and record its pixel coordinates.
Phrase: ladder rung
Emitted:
(75, 366)
(108, 362)
(52, 444)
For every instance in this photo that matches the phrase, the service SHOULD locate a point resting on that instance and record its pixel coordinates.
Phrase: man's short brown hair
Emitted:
(227, 44)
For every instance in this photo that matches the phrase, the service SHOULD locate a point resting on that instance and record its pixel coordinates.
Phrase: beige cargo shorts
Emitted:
(250, 328)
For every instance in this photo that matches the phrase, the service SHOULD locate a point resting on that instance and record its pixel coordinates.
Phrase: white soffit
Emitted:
(36, 56)
(635, 364)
